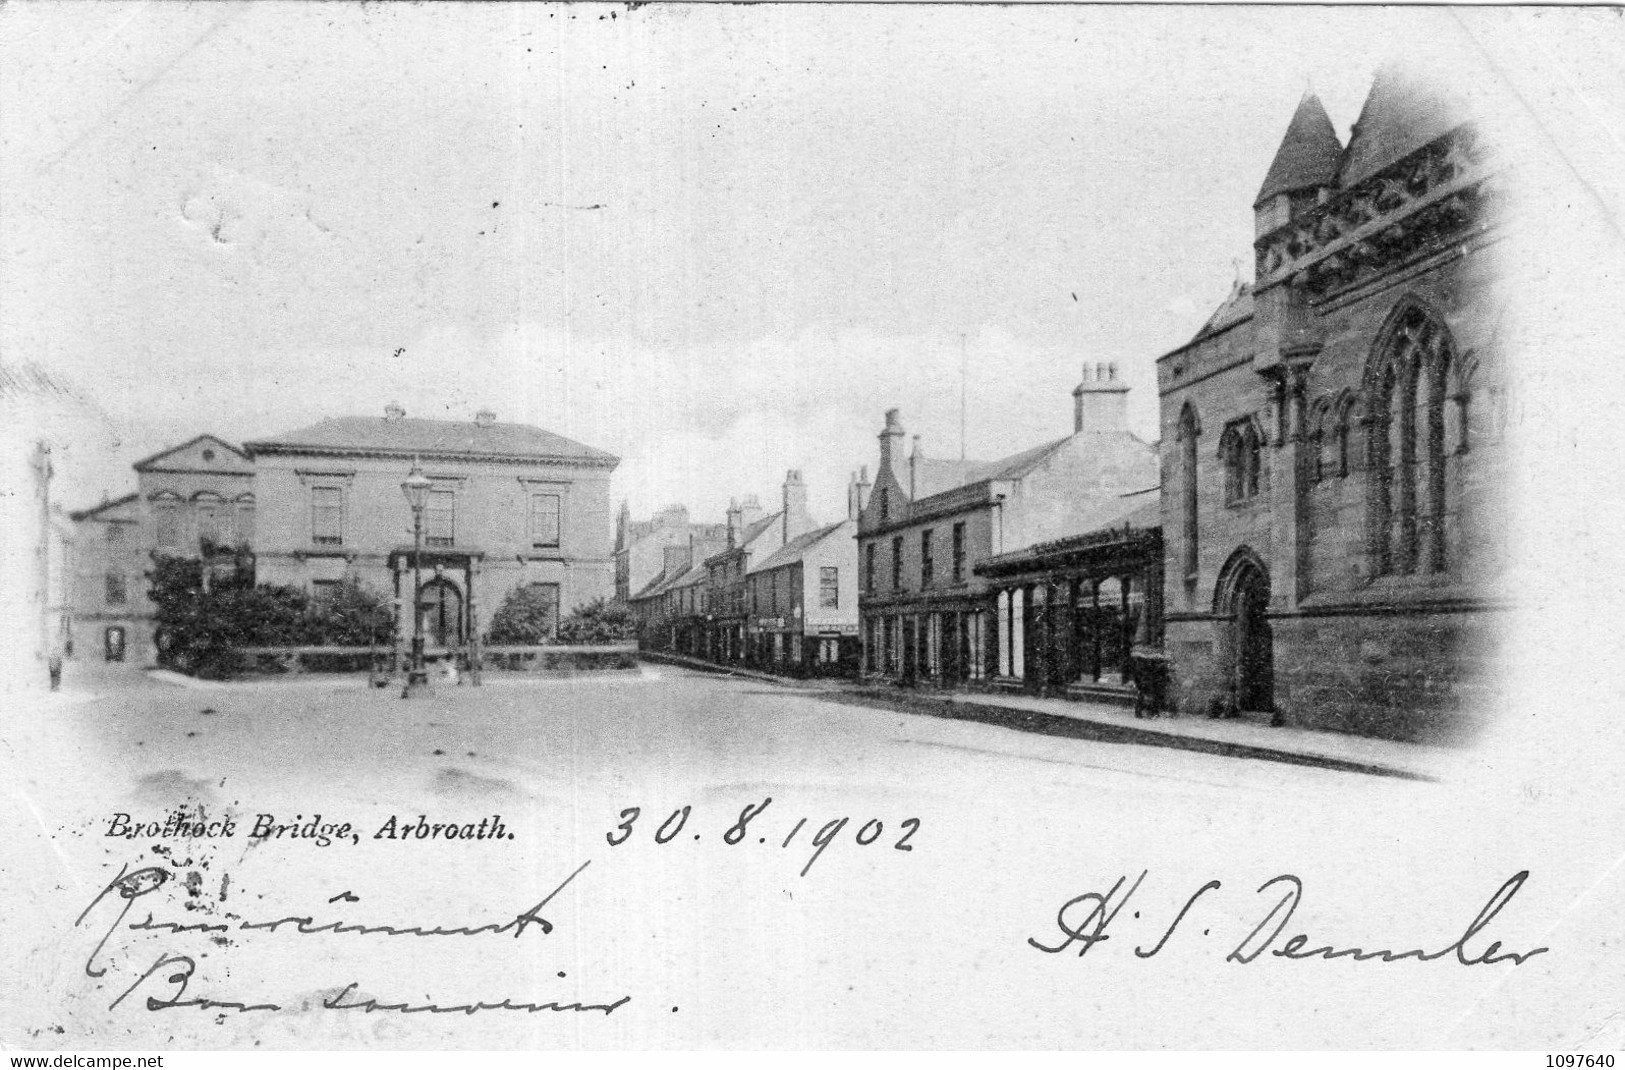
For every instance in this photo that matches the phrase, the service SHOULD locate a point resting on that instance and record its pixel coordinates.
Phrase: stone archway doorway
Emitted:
(1247, 641)
(441, 606)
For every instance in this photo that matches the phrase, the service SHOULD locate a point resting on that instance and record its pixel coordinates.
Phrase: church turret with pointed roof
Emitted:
(1332, 436)
(1304, 169)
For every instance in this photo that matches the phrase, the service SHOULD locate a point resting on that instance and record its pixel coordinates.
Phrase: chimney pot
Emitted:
(485, 417)
(393, 411)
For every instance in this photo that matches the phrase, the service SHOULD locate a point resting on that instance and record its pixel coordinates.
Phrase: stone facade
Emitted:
(112, 615)
(927, 612)
(642, 546)
(804, 604)
(511, 505)
(1332, 440)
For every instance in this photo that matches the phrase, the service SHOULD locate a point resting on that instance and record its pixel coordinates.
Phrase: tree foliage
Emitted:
(598, 621)
(354, 614)
(202, 625)
(527, 617)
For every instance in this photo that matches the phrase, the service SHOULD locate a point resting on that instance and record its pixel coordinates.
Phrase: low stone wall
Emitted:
(557, 660)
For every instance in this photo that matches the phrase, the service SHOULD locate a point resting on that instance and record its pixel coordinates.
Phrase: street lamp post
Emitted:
(416, 488)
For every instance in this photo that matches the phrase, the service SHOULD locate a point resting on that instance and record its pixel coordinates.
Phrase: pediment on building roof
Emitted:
(205, 453)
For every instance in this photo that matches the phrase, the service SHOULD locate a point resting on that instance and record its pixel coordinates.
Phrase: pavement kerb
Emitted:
(1082, 719)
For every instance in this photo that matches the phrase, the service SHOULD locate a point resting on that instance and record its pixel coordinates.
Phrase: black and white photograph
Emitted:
(816, 526)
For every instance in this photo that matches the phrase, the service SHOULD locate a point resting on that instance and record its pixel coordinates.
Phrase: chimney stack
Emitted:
(750, 511)
(1100, 402)
(394, 412)
(485, 417)
(857, 493)
(891, 439)
(796, 519)
(734, 525)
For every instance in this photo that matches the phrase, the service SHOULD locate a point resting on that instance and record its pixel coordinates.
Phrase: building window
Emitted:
(245, 520)
(209, 511)
(327, 516)
(1186, 437)
(869, 569)
(117, 595)
(440, 518)
(885, 504)
(897, 563)
(1242, 450)
(167, 514)
(323, 592)
(959, 552)
(1407, 447)
(927, 568)
(115, 538)
(544, 520)
(829, 587)
(548, 595)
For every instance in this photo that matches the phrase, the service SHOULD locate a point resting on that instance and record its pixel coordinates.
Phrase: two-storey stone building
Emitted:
(511, 505)
(804, 604)
(1332, 437)
(195, 500)
(926, 611)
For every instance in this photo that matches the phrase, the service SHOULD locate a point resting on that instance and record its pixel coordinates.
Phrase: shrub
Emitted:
(598, 621)
(526, 617)
(200, 630)
(354, 614)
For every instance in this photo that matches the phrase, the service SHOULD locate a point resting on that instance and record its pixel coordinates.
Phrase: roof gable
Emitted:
(117, 509)
(798, 547)
(205, 453)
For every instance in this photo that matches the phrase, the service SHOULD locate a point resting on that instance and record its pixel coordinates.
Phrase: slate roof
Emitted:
(797, 548)
(1403, 112)
(83, 514)
(753, 531)
(1308, 155)
(1231, 311)
(1019, 464)
(933, 476)
(370, 434)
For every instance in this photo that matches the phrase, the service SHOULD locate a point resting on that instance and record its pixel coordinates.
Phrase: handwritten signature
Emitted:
(1095, 912)
(177, 970)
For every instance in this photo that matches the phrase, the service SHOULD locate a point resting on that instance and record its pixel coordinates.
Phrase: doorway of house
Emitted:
(441, 605)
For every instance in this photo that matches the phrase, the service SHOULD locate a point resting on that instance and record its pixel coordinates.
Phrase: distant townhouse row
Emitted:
(776, 591)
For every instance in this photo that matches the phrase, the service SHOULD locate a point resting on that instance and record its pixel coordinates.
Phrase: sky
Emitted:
(718, 241)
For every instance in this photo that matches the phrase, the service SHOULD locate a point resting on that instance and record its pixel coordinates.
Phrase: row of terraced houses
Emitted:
(1315, 539)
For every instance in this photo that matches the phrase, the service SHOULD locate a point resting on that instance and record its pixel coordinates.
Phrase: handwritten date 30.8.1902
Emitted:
(867, 833)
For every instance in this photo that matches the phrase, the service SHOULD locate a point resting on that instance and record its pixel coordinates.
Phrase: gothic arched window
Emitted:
(1408, 482)
(1189, 429)
(1242, 451)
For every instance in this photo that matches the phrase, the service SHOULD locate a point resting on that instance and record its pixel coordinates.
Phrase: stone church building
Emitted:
(1331, 438)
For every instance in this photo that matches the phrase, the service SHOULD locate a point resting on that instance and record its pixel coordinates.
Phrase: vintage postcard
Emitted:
(816, 526)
